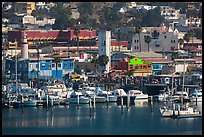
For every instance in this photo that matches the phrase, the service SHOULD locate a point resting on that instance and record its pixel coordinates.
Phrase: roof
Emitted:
(157, 60)
(144, 54)
(182, 29)
(64, 55)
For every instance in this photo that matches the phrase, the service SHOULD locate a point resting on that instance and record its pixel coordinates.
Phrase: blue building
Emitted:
(46, 68)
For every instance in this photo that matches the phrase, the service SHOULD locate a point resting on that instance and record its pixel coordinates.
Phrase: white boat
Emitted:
(52, 100)
(98, 99)
(107, 94)
(180, 96)
(162, 96)
(29, 102)
(177, 111)
(92, 94)
(196, 96)
(118, 92)
(138, 94)
(141, 102)
(78, 97)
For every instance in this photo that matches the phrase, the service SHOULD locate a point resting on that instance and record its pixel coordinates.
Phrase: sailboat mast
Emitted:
(16, 64)
(172, 83)
(183, 80)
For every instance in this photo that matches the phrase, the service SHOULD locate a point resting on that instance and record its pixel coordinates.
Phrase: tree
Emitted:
(191, 34)
(62, 16)
(153, 18)
(96, 63)
(56, 60)
(85, 8)
(180, 41)
(186, 37)
(103, 60)
(148, 40)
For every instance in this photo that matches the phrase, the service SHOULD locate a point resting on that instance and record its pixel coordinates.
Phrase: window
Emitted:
(145, 67)
(165, 36)
(43, 65)
(49, 66)
(58, 65)
(131, 66)
(135, 40)
(104, 43)
(53, 65)
(149, 65)
(135, 47)
(155, 34)
(36, 65)
(71, 64)
(65, 65)
(136, 67)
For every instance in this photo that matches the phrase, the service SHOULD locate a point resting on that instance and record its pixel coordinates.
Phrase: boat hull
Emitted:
(30, 103)
(81, 100)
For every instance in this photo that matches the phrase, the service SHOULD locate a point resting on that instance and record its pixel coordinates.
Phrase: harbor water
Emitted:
(141, 118)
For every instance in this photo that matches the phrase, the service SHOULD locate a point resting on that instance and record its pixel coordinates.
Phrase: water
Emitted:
(139, 119)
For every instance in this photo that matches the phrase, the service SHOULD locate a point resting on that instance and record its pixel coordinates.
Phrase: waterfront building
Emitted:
(28, 69)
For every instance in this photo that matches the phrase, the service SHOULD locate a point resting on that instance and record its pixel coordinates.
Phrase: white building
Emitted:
(28, 19)
(162, 39)
(169, 12)
(193, 22)
(104, 43)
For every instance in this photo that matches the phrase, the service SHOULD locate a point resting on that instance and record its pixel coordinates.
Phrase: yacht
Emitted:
(119, 93)
(78, 97)
(107, 94)
(137, 94)
(92, 95)
(28, 101)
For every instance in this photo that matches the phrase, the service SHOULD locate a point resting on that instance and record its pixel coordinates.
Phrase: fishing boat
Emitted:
(177, 111)
(180, 96)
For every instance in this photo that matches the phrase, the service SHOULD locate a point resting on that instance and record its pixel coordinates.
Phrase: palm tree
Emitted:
(103, 60)
(148, 40)
(56, 60)
(186, 37)
(96, 63)
(76, 33)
